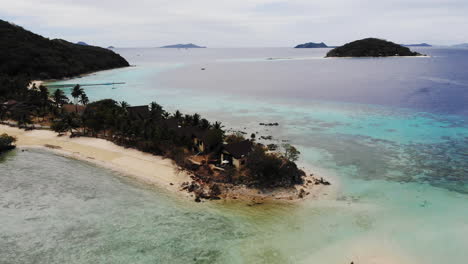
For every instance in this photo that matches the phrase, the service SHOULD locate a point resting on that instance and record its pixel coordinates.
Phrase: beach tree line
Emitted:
(153, 130)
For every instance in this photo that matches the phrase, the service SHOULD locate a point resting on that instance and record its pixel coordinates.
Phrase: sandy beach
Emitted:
(149, 168)
(142, 166)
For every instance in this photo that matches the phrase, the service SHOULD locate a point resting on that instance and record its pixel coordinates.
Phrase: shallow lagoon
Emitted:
(391, 132)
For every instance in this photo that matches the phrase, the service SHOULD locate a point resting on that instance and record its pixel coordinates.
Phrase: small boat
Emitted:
(203, 69)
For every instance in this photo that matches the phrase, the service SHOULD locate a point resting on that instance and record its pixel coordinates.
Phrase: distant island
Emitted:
(463, 45)
(417, 45)
(111, 47)
(82, 43)
(35, 57)
(371, 47)
(311, 45)
(184, 46)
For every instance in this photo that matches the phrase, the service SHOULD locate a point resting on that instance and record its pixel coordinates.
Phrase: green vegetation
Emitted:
(23, 53)
(371, 47)
(271, 169)
(291, 153)
(151, 129)
(6, 142)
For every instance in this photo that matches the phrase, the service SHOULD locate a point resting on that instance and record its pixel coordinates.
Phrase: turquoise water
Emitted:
(390, 133)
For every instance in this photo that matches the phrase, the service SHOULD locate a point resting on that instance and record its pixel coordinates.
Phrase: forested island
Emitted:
(371, 47)
(311, 45)
(23, 53)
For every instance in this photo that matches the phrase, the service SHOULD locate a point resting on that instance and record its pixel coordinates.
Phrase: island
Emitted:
(311, 45)
(463, 45)
(183, 152)
(184, 46)
(111, 47)
(371, 47)
(82, 43)
(417, 45)
(24, 53)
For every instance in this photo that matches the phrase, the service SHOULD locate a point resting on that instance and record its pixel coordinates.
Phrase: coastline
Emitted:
(148, 168)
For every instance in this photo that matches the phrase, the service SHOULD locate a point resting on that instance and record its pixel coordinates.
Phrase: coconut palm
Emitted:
(178, 115)
(205, 124)
(84, 99)
(217, 125)
(76, 93)
(124, 105)
(196, 119)
(59, 98)
(188, 119)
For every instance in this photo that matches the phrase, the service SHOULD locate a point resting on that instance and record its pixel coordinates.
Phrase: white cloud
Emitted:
(241, 23)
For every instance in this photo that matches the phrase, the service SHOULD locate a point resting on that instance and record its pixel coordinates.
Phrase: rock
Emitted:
(301, 193)
(197, 199)
(272, 147)
(269, 124)
(321, 181)
(192, 187)
(215, 191)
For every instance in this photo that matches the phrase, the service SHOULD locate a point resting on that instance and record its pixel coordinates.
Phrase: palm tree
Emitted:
(205, 124)
(84, 99)
(196, 119)
(187, 119)
(217, 125)
(44, 98)
(156, 111)
(124, 105)
(76, 93)
(59, 98)
(178, 115)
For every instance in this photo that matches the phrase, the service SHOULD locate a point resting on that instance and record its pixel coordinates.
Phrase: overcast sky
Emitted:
(238, 23)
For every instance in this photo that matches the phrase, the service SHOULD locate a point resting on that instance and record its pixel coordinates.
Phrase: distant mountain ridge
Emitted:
(184, 46)
(25, 53)
(417, 45)
(462, 45)
(311, 45)
(82, 43)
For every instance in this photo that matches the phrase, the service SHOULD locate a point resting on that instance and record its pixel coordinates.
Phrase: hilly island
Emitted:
(371, 47)
(311, 45)
(27, 54)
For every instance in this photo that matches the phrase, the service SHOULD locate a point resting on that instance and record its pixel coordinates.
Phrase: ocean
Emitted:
(390, 133)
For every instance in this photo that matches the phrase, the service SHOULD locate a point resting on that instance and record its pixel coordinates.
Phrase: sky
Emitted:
(241, 23)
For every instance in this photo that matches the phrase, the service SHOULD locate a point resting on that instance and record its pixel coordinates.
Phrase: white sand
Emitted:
(145, 167)
(37, 83)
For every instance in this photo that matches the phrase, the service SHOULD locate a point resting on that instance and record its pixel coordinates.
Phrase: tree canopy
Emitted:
(371, 47)
(25, 53)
